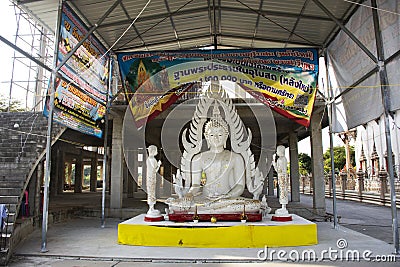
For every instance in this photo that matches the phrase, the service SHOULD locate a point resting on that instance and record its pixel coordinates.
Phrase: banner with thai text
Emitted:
(77, 110)
(284, 79)
(87, 72)
(88, 66)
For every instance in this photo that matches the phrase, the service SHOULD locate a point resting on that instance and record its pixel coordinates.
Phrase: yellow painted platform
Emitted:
(299, 232)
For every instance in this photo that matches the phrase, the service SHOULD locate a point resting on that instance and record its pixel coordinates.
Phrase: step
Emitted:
(12, 184)
(15, 166)
(16, 153)
(10, 169)
(15, 147)
(9, 199)
(10, 174)
(6, 191)
(16, 159)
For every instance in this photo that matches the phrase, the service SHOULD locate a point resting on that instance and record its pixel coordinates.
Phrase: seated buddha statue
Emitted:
(217, 175)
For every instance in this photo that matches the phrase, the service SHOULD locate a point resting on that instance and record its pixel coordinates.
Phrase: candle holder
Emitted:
(243, 216)
(196, 217)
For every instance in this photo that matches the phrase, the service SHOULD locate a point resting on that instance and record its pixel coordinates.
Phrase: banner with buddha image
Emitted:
(283, 79)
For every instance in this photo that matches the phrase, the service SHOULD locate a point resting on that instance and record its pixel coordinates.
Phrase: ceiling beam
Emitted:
(297, 21)
(155, 24)
(347, 31)
(215, 42)
(242, 37)
(257, 22)
(275, 22)
(158, 43)
(133, 26)
(344, 19)
(172, 23)
(206, 9)
(249, 37)
(23, 2)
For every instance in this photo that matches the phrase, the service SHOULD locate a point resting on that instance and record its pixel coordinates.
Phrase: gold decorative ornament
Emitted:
(213, 219)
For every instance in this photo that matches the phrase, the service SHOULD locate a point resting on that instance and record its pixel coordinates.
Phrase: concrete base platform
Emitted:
(224, 234)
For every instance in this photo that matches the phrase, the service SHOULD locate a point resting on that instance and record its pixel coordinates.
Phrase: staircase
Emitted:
(22, 147)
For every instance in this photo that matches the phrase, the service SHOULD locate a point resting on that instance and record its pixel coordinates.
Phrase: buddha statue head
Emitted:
(216, 130)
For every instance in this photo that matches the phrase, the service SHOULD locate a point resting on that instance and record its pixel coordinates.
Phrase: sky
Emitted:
(8, 20)
(21, 66)
(7, 30)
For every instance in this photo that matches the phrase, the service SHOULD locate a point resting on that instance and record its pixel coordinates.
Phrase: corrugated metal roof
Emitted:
(185, 24)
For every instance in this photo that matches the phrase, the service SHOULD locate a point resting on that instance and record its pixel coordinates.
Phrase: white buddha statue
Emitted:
(152, 168)
(280, 165)
(223, 169)
(217, 176)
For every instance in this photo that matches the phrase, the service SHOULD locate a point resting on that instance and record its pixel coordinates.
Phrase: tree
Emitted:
(339, 158)
(304, 164)
(15, 105)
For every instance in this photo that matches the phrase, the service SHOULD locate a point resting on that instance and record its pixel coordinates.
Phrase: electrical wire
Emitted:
(379, 9)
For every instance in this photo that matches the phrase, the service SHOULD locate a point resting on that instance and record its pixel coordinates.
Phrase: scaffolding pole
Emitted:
(49, 133)
(386, 105)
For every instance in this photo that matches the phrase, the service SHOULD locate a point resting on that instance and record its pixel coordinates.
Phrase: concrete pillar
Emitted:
(108, 171)
(93, 174)
(125, 177)
(294, 167)
(317, 163)
(78, 173)
(271, 182)
(131, 184)
(117, 165)
(32, 193)
(38, 196)
(54, 173)
(60, 171)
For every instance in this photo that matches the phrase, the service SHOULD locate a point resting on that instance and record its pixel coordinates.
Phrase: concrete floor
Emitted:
(82, 242)
(369, 219)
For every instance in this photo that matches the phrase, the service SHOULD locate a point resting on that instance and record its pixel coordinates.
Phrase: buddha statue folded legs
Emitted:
(219, 206)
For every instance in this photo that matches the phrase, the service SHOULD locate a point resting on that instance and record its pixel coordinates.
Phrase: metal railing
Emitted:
(356, 190)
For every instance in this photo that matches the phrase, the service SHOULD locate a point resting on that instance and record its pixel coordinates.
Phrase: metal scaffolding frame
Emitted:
(32, 45)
